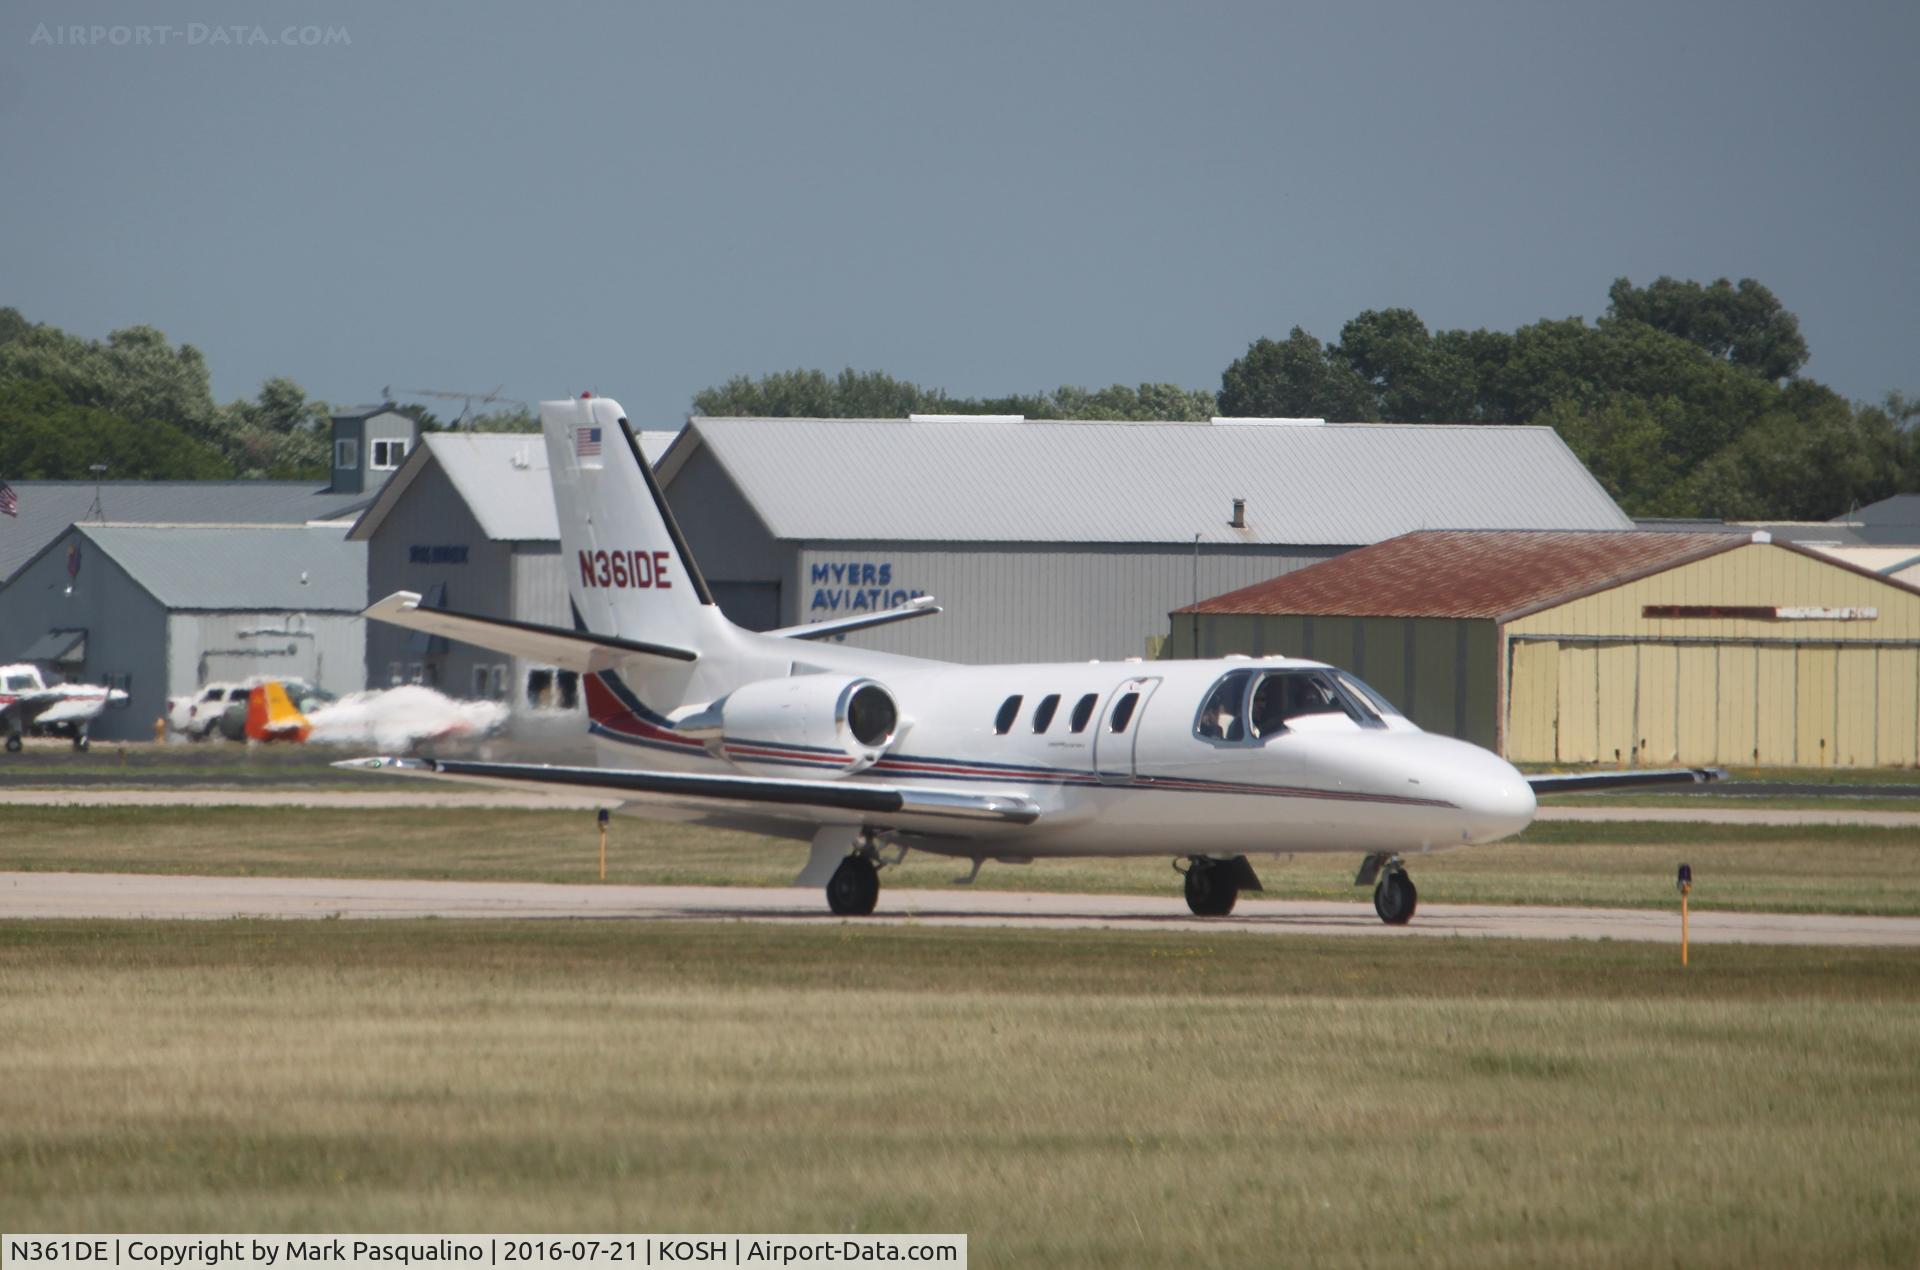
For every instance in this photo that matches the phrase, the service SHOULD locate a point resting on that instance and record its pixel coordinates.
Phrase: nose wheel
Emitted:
(1394, 894)
(1395, 898)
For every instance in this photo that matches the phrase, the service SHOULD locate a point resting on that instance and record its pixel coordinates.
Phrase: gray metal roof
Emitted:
(501, 476)
(48, 507)
(246, 567)
(1333, 484)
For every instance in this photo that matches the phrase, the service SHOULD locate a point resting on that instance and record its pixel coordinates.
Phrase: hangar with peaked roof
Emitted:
(1052, 540)
(159, 610)
(1628, 648)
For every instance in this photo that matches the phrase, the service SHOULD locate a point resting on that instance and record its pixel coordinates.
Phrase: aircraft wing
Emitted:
(69, 710)
(551, 645)
(28, 707)
(921, 606)
(1555, 783)
(813, 802)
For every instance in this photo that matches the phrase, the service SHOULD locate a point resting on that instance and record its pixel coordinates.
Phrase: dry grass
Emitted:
(1790, 869)
(1067, 1099)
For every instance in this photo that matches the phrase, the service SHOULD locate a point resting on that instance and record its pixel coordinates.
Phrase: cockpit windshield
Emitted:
(1250, 704)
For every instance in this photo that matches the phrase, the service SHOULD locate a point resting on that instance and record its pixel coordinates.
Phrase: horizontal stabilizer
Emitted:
(1553, 783)
(836, 801)
(919, 606)
(552, 645)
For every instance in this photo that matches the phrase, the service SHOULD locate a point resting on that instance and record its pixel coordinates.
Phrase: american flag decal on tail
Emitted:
(586, 443)
(9, 501)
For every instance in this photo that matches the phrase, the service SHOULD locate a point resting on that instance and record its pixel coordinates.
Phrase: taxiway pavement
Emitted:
(123, 895)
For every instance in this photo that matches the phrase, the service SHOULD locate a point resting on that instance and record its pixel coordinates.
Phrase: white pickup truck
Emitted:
(197, 717)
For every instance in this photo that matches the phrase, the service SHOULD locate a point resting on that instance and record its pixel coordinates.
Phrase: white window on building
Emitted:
(346, 453)
(387, 455)
(396, 674)
(499, 692)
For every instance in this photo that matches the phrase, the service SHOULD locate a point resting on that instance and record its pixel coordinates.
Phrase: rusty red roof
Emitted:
(1498, 574)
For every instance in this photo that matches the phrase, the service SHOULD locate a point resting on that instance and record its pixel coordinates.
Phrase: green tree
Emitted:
(1744, 325)
(281, 433)
(1294, 378)
(1414, 378)
(1622, 441)
(44, 437)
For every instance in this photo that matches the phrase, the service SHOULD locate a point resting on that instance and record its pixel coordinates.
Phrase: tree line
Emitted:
(1684, 398)
(144, 407)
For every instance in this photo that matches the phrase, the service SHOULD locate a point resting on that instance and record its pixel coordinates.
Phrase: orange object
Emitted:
(272, 716)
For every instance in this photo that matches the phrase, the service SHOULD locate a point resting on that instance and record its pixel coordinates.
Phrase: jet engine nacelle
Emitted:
(857, 718)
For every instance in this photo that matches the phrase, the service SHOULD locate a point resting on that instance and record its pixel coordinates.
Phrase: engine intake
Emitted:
(809, 718)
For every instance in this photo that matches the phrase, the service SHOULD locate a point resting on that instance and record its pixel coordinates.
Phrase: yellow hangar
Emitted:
(1624, 647)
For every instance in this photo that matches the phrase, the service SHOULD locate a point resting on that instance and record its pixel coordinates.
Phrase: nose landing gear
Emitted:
(1394, 895)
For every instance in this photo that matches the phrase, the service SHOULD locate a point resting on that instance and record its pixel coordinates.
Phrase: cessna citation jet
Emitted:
(870, 755)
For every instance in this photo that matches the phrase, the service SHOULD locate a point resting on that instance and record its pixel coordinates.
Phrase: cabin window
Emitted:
(1009, 711)
(1043, 713)
(1083, 711)
(1123, 713)
(1223, 716)
(21, 683)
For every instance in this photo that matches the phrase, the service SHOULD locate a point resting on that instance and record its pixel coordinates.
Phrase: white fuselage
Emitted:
(1148, 784)
(27, 699)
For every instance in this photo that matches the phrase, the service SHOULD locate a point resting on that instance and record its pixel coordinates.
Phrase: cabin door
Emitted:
(1119, 729)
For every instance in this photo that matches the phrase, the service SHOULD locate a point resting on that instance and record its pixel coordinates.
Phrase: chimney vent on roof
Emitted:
(1239, 520)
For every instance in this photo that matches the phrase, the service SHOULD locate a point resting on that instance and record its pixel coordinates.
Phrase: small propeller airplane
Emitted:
(869, 755)
(28, 701)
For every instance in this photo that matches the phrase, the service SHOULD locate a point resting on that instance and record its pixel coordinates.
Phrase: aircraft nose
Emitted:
(1496, 798)
(1491, 798)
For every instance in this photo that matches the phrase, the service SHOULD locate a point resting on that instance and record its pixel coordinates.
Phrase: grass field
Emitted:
(1067, 1099)
(1781, 869)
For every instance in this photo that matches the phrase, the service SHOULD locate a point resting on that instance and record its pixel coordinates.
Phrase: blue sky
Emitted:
(645, 199)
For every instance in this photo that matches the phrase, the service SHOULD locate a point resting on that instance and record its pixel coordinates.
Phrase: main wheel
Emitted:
(13, 743)
(80, 742)
(1209, 893)
(854, 888)
(1395, 899)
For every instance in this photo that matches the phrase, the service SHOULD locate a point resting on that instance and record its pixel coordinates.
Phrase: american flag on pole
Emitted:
(9, 501)
(586, 443)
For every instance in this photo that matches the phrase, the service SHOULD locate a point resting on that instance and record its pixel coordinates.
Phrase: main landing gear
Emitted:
(1214, 886)
(14, 742)
(854, 888)
(1394, 895)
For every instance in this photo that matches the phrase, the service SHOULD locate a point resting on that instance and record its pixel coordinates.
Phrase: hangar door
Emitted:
(1636, 703)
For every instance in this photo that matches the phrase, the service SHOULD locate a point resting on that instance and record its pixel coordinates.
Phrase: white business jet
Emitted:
(870, 755)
